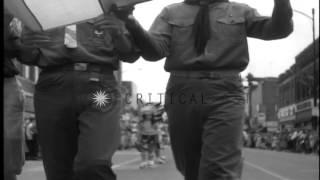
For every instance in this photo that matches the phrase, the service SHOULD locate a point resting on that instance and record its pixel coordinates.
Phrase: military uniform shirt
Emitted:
(93, 46)
(227, 49)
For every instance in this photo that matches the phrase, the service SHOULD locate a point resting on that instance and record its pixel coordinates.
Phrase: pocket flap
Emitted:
(231, 20)
(181, 22)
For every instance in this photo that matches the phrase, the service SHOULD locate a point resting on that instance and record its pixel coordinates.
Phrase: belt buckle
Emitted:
(80, 66)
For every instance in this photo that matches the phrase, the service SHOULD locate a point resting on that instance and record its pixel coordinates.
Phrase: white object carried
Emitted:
(48, 14)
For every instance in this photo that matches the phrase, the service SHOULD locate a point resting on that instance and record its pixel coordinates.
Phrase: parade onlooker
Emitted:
(13, 105)
(299, 143)
(283, 143)
(314, 142)
(32, 140)
(293, 138)
(274, 142)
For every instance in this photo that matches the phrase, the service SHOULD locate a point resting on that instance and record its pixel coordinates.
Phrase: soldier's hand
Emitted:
(123, 13)
(111, 24)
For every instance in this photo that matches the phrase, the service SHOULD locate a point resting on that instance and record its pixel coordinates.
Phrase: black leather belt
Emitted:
(82, 67)
(205, 74)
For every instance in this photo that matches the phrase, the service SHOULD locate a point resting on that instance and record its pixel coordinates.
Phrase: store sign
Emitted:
(305, 105)
(287, 113)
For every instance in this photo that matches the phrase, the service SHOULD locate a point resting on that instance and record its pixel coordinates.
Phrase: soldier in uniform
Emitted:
(77, 100)
(205, 45)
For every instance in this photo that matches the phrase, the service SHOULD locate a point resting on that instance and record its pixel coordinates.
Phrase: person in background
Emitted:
(13, 106)
(158, 121)
(293, 140)
(312, 142)
(77, 97)
(275, 142)
(32, 140)
(147, 137)
(300, 141)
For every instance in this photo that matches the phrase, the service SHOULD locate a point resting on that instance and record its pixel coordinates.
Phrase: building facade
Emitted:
(263, 104)
(297, 92)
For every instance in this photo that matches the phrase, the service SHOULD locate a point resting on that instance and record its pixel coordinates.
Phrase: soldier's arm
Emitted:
(133, 54)
(280, 25)
(26, 54)
(12, 41)
(122, 41)
(154, 45)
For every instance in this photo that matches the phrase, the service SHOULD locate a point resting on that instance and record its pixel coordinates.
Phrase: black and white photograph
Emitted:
(161, 89)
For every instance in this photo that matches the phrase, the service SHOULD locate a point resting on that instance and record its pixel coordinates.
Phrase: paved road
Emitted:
(259, 165)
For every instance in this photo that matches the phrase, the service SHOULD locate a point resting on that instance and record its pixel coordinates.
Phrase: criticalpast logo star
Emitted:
(101, 98)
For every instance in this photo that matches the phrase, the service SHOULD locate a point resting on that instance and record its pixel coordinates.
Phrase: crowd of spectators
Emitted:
(295, 140)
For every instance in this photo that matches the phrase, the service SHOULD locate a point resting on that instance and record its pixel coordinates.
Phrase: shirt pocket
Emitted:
(93, 39)
(181, 30)
(231, 27)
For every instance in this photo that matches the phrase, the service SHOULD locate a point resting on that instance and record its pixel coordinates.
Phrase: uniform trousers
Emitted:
(77, 114)
(205, 125)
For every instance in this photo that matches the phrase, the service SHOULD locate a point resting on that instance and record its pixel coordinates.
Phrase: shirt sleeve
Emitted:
(154, 44)
(160, 28)
(13, 45)
(27, 54)
(278, 26)
(161, 32)
(134, 54)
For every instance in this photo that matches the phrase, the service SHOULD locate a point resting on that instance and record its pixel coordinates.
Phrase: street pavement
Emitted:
(258, 165)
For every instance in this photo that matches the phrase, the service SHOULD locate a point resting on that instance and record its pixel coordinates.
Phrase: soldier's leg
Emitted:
(99, 128)
(56, 124)
(185, 136)
(222, 140)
